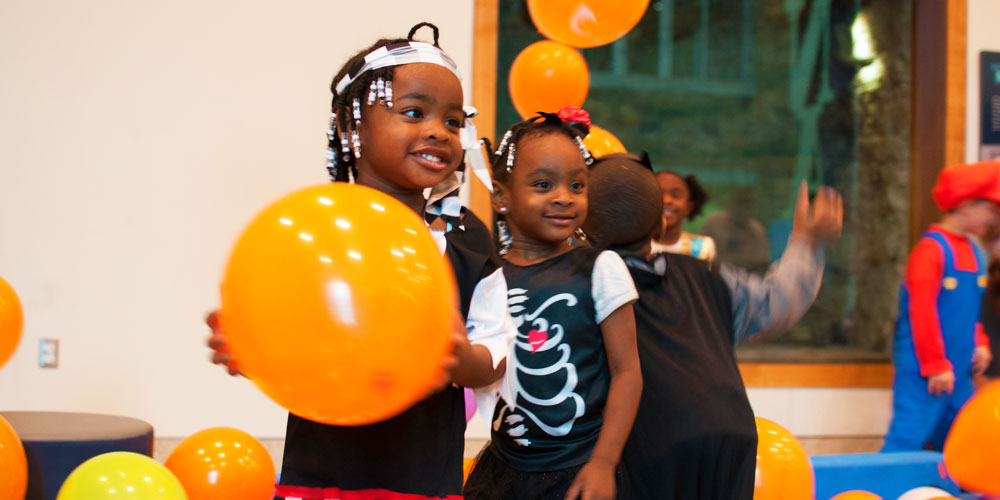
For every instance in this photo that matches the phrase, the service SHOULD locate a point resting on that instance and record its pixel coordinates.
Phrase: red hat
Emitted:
(967, 181)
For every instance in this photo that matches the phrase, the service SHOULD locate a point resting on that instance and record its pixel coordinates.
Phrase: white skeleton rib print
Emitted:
(543, 337)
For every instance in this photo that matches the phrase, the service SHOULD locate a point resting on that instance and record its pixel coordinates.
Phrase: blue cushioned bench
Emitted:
(888, 475)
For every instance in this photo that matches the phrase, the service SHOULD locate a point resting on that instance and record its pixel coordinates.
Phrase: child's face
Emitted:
(979, 217)
(676, 199)
(546, 193)
(415, 144)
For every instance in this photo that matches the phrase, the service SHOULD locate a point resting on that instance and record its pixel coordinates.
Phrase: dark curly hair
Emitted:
(341, 105)
(696, 193)
(543, 124)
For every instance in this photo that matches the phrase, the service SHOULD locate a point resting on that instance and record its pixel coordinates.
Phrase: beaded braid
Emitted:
(343, 141)
(503, 159)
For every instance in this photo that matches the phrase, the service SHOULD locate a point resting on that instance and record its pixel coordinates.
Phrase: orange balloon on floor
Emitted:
(223, 463)
(546, 76)
(972, 448)
(600, 142)
(586, 23)
(13, 464)
(11, 321)
(784, 471)
(856, 495)
(337, 303)
(467, 465)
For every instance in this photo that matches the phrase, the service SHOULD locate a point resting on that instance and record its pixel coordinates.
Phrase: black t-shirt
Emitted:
(694, 437)
(419, 451)
(557, 370)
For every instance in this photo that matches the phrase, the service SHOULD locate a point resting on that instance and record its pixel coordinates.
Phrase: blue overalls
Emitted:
(919, 417)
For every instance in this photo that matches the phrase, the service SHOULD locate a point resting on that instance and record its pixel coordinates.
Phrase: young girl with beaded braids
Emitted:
(572, 383)
(397, 126)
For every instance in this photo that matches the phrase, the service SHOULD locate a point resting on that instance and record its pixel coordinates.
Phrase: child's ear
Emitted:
(499, 199)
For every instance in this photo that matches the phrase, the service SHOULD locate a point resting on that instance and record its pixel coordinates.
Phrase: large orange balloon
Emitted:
(586, 23)
(856, 495)
(972, 449)
(11, 321)
(223, 463)
(546, 76)
(784, 471)
(600, 142)
(13, 464)
(337, 303)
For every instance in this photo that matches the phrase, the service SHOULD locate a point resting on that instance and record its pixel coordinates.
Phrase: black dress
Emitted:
(417, 453)
(694, 436)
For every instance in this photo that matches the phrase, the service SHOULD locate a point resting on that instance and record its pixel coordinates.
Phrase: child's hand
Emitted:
(217, 342)
(981, 358)
(820, 221)
(595, 481)
(940, 383)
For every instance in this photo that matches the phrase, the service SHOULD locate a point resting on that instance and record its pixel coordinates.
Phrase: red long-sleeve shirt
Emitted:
(923, 276)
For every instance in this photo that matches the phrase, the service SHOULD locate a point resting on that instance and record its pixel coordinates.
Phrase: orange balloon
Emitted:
(13, 464)
(11, 321)
(784, 471)
(546, 76)
(223, 463)
(337, 303)
(856, 495)
(467, 465)
(586, 23)
(972, 448)
(600, 142)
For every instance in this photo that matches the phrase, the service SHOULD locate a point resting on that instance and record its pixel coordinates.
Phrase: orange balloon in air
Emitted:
(337, 303)
(972, 448)
(856, 495)
(546, 76)
(13, 464)
(784, 471)
(586, 23)
(600, 142)
(11, 321)
(223, 463)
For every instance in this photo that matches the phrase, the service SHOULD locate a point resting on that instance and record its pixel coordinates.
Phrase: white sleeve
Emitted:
(709, 250)
(489, 322)
(612, 285)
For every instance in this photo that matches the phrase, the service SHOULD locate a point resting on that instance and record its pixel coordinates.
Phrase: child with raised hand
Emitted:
(939, 342)
(395, 126)
(572, 384)
(694, 436)
(683, 198)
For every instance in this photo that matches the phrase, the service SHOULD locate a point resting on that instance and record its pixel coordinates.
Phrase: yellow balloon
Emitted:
(121, 475)
(11, 321)
(600, 142)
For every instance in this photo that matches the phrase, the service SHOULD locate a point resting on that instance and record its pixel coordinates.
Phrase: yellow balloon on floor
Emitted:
(784, 471)
(600, 142)
(337, 303)
(972, 448)
(586, 23)
(13, 464)
(223, 463)
(11, 321)
(547, 76)
(121, 475)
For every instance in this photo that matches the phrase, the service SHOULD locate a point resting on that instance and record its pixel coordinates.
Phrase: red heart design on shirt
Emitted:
(536, 339)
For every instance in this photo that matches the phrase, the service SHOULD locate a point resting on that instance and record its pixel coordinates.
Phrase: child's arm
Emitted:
(922, 279)
(480, 345)
(769, 305)
(614, 292)
(983, 355)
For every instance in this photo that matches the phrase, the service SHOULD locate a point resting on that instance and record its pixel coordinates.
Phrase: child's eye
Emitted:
(453, 122)
(413, 113)
(576, 186)
(542, 184)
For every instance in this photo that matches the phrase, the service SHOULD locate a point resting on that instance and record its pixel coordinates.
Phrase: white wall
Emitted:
(982, 35)
(136, 139)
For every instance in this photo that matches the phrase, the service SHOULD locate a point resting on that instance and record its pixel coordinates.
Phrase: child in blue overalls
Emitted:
(939, 343)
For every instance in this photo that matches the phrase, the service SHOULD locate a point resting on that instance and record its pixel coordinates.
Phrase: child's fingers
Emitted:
(212, 320)
(216, 341)
(802, 199)
(222, 358)
(573, 493)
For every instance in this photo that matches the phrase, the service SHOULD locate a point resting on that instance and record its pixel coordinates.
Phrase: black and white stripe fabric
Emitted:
(399, 54)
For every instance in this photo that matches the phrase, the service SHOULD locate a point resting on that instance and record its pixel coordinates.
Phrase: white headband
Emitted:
(396, 55)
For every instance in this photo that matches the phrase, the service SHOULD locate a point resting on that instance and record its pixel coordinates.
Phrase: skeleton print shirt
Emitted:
(557, 379)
